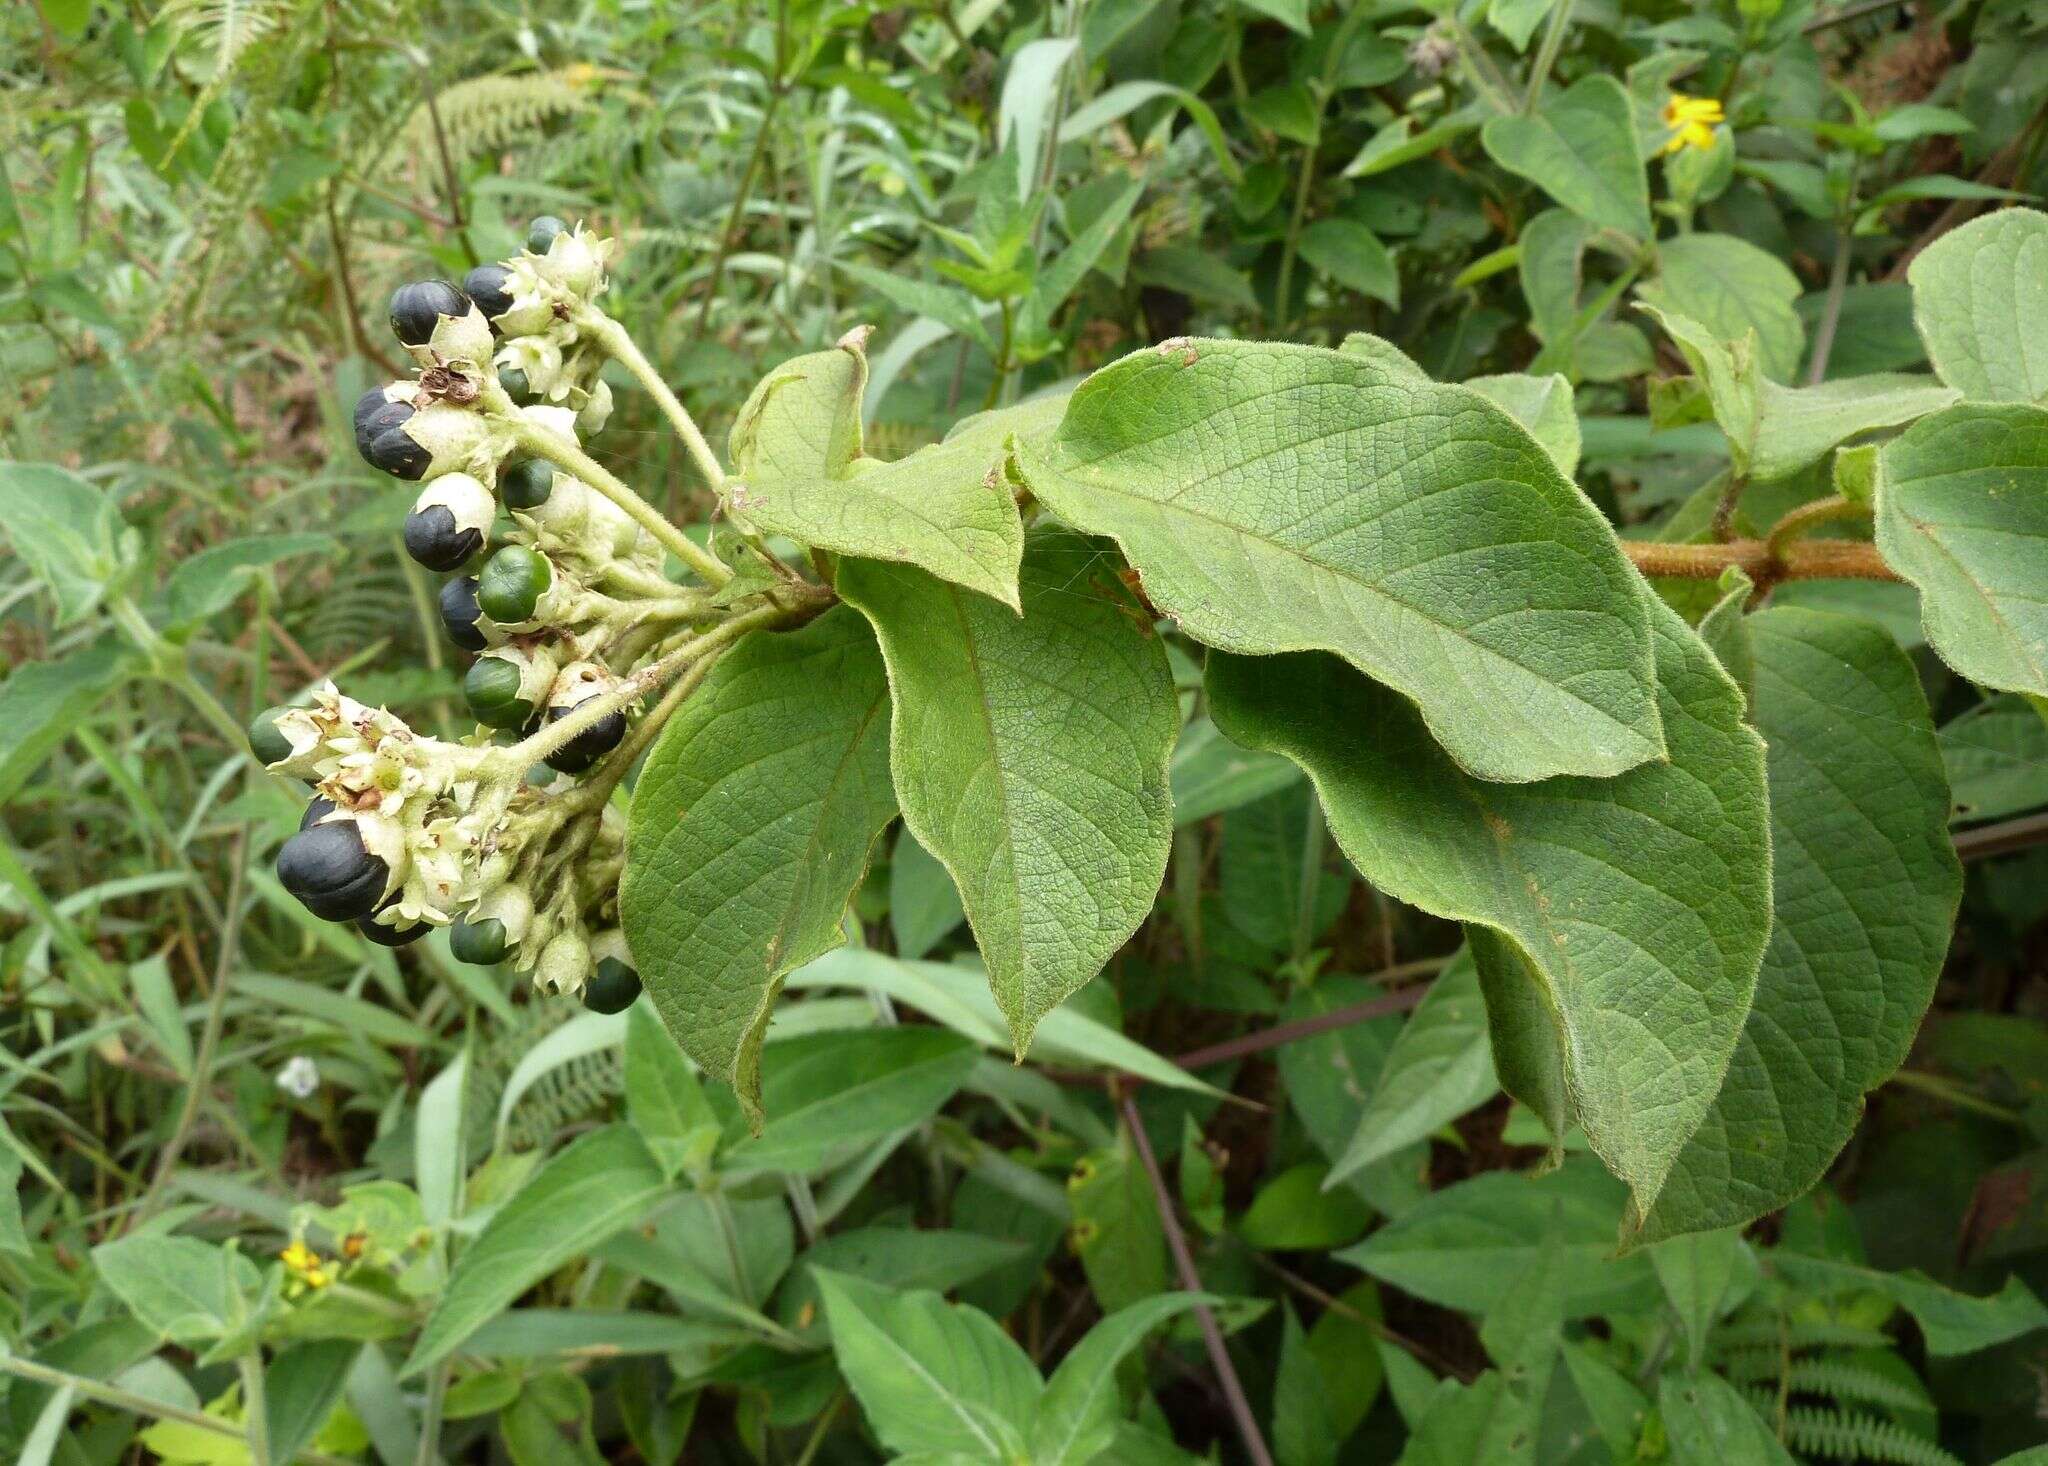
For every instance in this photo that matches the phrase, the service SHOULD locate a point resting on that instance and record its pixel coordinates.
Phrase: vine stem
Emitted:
(619, 342)
(1191, 1280)
(121, 1399)
(1808, 560)
(1798, 521)
(1546, 55)
(564, 454)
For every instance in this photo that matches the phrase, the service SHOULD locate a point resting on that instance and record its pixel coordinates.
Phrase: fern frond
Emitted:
(487, 113)
(1794, 1336)
(564, 1095)
(230, 27)
(1846, 1435)
(1842, 1380)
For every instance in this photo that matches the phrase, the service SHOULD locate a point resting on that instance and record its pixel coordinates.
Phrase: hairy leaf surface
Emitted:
(1731, 287)
(1980, 299)
(1865, 885)
(1030, 757)
(1286, 498)
(1639, 905)
(751, 826)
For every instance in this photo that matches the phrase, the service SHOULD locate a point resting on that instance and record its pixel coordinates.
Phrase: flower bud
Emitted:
(564, 964)
(596, 411)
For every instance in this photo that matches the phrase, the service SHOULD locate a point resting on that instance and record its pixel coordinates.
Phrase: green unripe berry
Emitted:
(492, 687)
(265, 741)
(612, 988)
(542, 231)
(513, 380)
(527, 483)
(512, 583)
(481, 942)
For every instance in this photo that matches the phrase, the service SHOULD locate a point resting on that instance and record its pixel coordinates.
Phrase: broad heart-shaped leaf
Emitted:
(931, 1376)
(1731, 288)
(1580, 148)
(750, 829)
(1775, 431)
(1864, 888)
(1962, 512)
(1030, 756)
(66, 530)
(1635, 908)
(1281, 498)
(1438, 1068)
(581, 1196)
(950, 508)
(1980, 299)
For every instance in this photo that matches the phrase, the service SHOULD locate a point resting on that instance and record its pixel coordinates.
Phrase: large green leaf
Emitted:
(1440, 1067)
(1029, 755)
(1865, 885)
(829, 1094)
(1980, 298)
(1732, 288)
(1775, 431)
(1544, 406)
(182, 1289)
(751, 827)
(950, 508)
(1580, 148)
(601, 1183)
(1283, 498)
(931, 1376)
(66, 530)
(1635, 909)
(1962, 512)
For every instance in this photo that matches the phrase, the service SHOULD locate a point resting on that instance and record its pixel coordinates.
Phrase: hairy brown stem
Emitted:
(1806, 560)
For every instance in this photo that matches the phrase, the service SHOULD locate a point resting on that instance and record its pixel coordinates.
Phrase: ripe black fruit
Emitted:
(612, 988)
(542, 231)
(385, 443)
(587, 747)
(433, 539)
(487, 285)
(317, 811)
(391, 936)
(328, 869)
(366, 407)
(265, 741)
(481, 942)
(460, 613)
(417, 308)
(527, 483)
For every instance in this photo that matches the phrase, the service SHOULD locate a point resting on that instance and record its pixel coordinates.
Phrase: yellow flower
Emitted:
(305, 1265)
(1692, 121)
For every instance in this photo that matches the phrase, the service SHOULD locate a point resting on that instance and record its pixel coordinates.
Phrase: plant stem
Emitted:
(1546, 55)
(1798, 521)
(1191, 1280)
(1949, 1092)
(616, 340)
(564, 454)
(1831, 310)
(1311, 875)
(255, 1408)
(1808, 560)
(2003, 838)
(1282, 1034)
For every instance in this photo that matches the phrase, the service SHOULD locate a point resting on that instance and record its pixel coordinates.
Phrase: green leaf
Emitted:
(1116, 1231)
(41, 703)
(1865, 885)
(953, 309)
(13, 1234)
(1440, 1067)
(1304, 1434)
(1282, 498)
(1328, 1077)
(1398, 143)
(549, 1423)
(1544, 406)
(1962, 513)
(897, 1257)
(1980, 298)
(950, 508)
(599, 1184)
(1456, 1246)
(1553, 254)
(300, 1390)
(1636, 908)
(1076, 1417)
(1517, 19)
(1951, 1322)
(1997, 759)
(1580, 148)
(1197, 274)
(828, 1094)
(1345, 1342)
(924, 905)
(1287, 111)
(1291, 13)
(1294, 1212)
(750, 829)
(64, 529)
(211, 580)
(1211, 775)
(181, 1289)
(1352, 255)
(1732, 288)
(931, 1376)
(1029, 756)
(1705, 1275)
(1618, 1409)
(440, 1158)
(1709, 1424)
(1773, 432)
(664, 1102)
(1486, 1420)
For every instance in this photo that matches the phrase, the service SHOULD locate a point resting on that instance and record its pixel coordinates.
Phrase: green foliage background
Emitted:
(548, 1238)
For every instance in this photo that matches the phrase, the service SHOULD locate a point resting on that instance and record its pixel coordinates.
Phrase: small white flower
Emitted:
(299, 1077)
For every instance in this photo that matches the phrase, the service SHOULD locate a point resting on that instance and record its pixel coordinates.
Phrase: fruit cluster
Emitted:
(560, 591)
